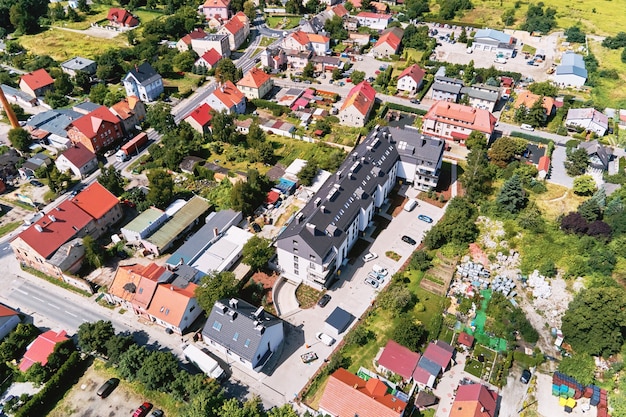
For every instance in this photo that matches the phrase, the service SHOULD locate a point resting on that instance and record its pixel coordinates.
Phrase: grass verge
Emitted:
(55, 281)
(9, 227)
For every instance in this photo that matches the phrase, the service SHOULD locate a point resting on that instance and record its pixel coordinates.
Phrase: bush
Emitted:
(359, 336)
(276, 109)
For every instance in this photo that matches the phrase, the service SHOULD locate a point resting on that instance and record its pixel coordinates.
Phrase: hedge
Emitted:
(531, 138)
(276, 109)
(45, 400)
(406, 109)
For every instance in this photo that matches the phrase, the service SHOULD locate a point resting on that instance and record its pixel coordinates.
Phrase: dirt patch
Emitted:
(396, 202)
(259, 289)
(437, 279)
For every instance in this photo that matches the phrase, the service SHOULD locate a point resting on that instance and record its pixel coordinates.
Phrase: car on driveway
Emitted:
(324, 338)
(370, 256)
(380, 270)
(36, 183)
(324, 300)
(372, 282)
(143, 410)
(425, 218)
(377, 277)
(409, 240)
(525, 378)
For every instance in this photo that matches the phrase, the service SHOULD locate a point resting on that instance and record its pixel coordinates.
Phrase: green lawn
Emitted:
(265, 41)
(283, 22)
(9, 227)
(609, 93)
(97, 13)
(183, 84)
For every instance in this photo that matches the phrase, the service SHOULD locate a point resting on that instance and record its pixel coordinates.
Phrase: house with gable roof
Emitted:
(9, 319)
(79, 64)
(255, 84)
(144, 82)
(220, 43)
(376, 21)
(131, 111)
(528, 100)
(296, 41)
(209, 59)
(36, 83)
(97, 131)
(434, 361)
(134, 286)
(227, 97)
(237, 29)
(600, 156)
(101, 205)
(121, 18)
(389, 43)
(347, 395)
(340, 10)
(453, 121)
(397, 359)
(41, 348)
(411, 79)
(78, 159)
(571, 72)
(218, 9)
(174, 305)
(589, 119)
(482, 96)
(184, 43)
(200, 118)
(319, 44)
(243, 333)
(474, 400)
(273, 58)
(358, 105)
(490, 39)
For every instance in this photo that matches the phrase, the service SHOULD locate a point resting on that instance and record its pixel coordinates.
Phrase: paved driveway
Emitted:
(558, 175)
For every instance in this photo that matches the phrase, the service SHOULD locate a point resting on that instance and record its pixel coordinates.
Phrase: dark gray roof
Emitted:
(448, 88)
(483, 93)
(533, 153)
(87, 106)
(77, 63)
(448, 80)
(322, 223)
(595, 148)
(238, 326)
(144, 74)
(339, 319)
(429, 366)
(10, 91)
(180, 276)
(413, 146)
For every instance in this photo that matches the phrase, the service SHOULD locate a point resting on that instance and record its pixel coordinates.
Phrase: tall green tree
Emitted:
(93, 337)
(257, 252)
(158, 371)
(308, 70)
(579, 366)
(476, 139)
(576, 162)
(476, 178)
(409, 333)
(112, 179)
(161, 188)
(584, 185)
(159, 116)
(226, 71)
(93, 253)
(512, 197)
(20, 138)
(216, 286)
(23, 15)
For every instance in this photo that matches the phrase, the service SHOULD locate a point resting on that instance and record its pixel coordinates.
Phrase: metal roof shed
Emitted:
(338, 321)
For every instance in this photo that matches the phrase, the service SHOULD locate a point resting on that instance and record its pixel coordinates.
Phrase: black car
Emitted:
(157, 413)
(409, 240)
(525, 378)
(324, 300)
(36, 183)
(108, 387)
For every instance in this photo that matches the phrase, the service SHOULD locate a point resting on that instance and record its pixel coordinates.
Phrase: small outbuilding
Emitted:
(338, 321)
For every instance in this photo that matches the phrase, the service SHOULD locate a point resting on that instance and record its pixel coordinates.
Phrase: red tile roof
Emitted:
(68, 219)
(347, 395)
(362, 97)
(438, 353)
(202, 114)
(228, 94)
(272, 197)
(211, 57)
(122, 16)
(255, 78)
(125, 108)
(217, 3)
(79, 155)
(194, 34)
(544, 164)
(96, 200)
(399, 359)
(170, 303)
(466, 339)
(136, 283)
(415, 72)
(6, 311)
(392, 37)
(300, 37)
(340, 10)
(474, 400)
(462, 116)
(37, 79)
(41, 348)
(234, 25)
(315, 38)
(90, 123)
(528, 99)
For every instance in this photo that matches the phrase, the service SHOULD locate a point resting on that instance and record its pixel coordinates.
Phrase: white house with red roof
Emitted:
(389, 43)
(237, 29)
(543, 167)
(453, 121)
(184, 44)
(411, 79)
(376, 21)
(200, 118)
(209, 59)
(220, 43)
(435, 360)
(319, 44)
(97, 130)
(78, 159)
(121, 18)
(41, 348)
(36, 83)
(227, 97)
(9, 319)
(340, 10)
(218, 9)
(296, 41)
(255, 84)
(274, 58)
(358, 105)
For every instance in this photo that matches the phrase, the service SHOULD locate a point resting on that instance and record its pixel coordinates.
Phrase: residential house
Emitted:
(79, 64)
(218, 9)
(121, 18)
(143, 82)
(589, 119)
(174, 306)
(379, 7)
(465, 339)
(101, 205)
(200, 118)
(243, 126)
(358, 105)
(298, 59)
(397, 359)
(482, 96)
(445, 88)
(347, 395)
(134, 286)
(474, 400)
(273, 58)
(314, 24)
(319, 44)
(434, 361)
(209, 59)
(41, 348)
(389, 43)
(350, 23)
(16, 96)
(340, 10)
(571, 72)
(98, 130)
(184, 44)
(237, 29)
(31, 165)
(220, 43)
(421, 157)
(411, 79)
(243, 332)
(255, 84)
(189, 164)
(216, 247)
(9, 319)
(78, 159)
(296, 41)
(527, 99)
(543, 167)
(278, 127)
(490, 39)
(9, 160)
(227, 97)
(36, 83)
(327, 63)
(453, 121)
(600, 156)
(375, 21)
(361, 39)
(131, 111)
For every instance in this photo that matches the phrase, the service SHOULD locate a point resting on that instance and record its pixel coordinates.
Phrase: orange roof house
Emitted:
(339, 10)
(227, 97)
(543, 167)
(131, 111)
(209, 59)
(99, 203)
(388, 43)
(358, 105)
(134, 286)
(41, 348)
(121, 17)
(347, 395)
(36, 83)
(184, 44)
(453, 121)
(474, 400)
(97, 130)
(255, 84)
(174, 307)
(528, 99)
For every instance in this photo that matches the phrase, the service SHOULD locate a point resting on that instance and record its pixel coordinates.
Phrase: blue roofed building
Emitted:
(490, 40)
(571, 72)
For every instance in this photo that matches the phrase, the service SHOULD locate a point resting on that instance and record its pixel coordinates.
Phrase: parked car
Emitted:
(157, 413)
(377, 277)
(108, 387)
(409, 240)
(380, 270)
(371, 282)
(324, 300)
(324, 338)
(414, 101)
(36, 183)
(143, 410)
(525, 378)
(410, 204)
(370, 256)
(526, 126)
(425, 218)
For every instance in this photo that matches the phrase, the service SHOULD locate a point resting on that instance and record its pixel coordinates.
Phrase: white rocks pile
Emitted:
(539, 285)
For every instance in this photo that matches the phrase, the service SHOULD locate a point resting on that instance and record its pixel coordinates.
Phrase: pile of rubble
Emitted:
(473, 276)
(492, 233)
(539, 285)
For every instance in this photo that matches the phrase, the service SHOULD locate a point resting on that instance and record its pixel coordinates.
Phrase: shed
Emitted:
(338, 321)
(466, 339)
(425, 399)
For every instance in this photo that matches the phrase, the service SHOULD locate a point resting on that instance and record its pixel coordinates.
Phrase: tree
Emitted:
(476, 179)
(116, 346)
(131, 362)
(257, 252)
(357, 77)
(223, 127)
(159, 116)
(309, 70)
(93, 253)
(226, 71)
(463, 35)
(308, 173)
(398, 299)
(161, 188)
(504, 150)
(576, 162)
(335, 29)
(324, 126)
(158, 370)
(590, 210)
(72, 15)
(93, 337)
(408, 333)
(184, 61)
(337, 74)
(595, 321)
(249, 10)
(83, 6)
(545, 88)
(111, 179)
(294, 7)
(420, 261)
(98, 93)
(23, 15)
(214, 287)
(574, 223)
(512, 197)
(508, 17)
(286, 410)
(537, 115)
(476, 139)
(575, 35)
(415, 9)
(584, 185)
(19, 138)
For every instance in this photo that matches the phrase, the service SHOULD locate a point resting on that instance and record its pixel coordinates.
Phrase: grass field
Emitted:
(265, 41)
(609, 93)
(63, 45)
(282, 22)
(183, 84)
(97, 13)
(556, 201)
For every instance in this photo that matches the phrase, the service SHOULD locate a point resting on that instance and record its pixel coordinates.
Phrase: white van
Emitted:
(526, 126)
(410, 205)
(380, 270)
(500, 60)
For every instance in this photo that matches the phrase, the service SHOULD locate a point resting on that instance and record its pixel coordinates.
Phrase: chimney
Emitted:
(233, 302)
(38, 228)
(52, 218)
(180, 262)
(171, 287)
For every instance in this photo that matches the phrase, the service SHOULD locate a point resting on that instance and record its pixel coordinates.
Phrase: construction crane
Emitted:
(8, 110)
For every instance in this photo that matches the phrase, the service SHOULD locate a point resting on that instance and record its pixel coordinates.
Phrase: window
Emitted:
(217, 325)
(236, 336)
(247, 344)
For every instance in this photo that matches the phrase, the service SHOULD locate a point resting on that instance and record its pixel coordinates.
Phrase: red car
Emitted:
(143, 410)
